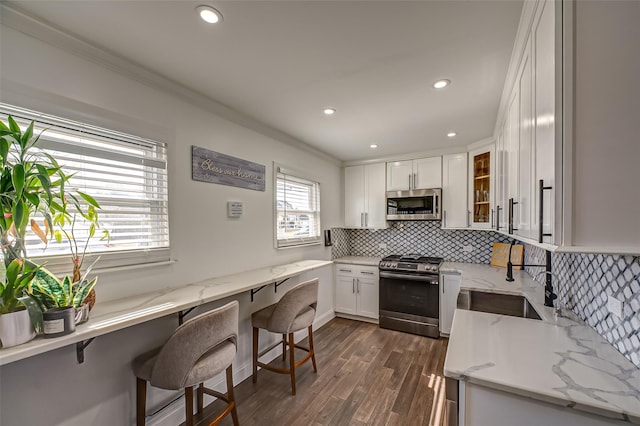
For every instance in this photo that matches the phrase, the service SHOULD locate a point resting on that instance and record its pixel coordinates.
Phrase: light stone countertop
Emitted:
(107, 317)
(559, 360)
(358, 260)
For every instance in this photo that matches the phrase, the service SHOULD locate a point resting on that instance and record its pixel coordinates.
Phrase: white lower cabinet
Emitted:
(449, 289)
(480, 406)
(356, 290)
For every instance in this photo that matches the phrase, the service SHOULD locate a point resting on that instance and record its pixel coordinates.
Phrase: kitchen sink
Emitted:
(496, 303)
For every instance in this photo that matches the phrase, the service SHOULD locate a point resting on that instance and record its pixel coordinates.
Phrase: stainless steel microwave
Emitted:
(416, 204)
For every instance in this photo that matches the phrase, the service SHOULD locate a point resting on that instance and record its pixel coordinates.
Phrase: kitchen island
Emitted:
(557, 366)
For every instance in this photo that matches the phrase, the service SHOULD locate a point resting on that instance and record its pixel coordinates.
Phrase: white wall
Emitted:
(52, 389)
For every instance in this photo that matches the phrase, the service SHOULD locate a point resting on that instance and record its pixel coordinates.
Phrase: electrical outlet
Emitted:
(382, 245)
(467, 249)
(615, 306)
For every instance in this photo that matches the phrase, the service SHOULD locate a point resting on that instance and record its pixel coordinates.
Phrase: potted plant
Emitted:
(31, 184)
(60, 300)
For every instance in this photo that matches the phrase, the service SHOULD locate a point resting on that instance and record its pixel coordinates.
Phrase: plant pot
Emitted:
(58, 322)
(82, 313)
(15, 328)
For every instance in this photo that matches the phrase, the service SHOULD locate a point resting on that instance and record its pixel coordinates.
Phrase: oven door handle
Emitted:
(425, 278)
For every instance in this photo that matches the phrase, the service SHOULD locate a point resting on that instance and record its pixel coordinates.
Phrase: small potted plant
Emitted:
(60, 300)
(19, 316)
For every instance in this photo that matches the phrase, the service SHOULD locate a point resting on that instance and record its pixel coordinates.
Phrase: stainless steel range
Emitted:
(409, 294)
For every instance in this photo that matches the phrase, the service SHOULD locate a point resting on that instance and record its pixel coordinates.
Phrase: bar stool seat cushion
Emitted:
(264, 319)
(204, 368)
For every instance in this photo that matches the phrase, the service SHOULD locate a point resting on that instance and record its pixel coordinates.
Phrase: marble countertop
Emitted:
(559, 360)
(107, 317)
(358, 260)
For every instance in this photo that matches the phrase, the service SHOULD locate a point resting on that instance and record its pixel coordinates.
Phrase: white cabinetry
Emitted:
(356, 291)
(481, 187)
(364, 196)
(449, 289)
(422, 173)
(485, 406)
(454, 191)
(526, 143)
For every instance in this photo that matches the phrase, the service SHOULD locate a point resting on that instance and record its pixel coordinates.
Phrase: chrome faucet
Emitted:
(549, 295)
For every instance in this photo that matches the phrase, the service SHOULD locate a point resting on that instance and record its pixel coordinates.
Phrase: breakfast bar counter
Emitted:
(107, 317)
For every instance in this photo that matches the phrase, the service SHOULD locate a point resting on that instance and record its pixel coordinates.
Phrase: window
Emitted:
(297, 210)
(126, 175)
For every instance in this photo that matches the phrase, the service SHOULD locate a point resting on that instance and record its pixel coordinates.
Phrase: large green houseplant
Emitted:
(32, 185)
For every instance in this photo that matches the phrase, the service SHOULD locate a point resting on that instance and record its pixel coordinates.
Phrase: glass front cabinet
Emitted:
(481, 212)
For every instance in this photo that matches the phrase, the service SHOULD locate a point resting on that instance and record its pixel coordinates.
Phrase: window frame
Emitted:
(60, 263)
(305, 179)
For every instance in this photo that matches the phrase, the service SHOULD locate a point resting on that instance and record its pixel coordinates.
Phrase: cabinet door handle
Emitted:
(498, 208)
(366, 219)
(345, 270)
(541, 232)
(491, 219)
(410, 181)
(353, 286)
(358, 285)
(444, 218)
(366, 272)
(468, 218)
(362, 219)
(511, 206)
(415, 185)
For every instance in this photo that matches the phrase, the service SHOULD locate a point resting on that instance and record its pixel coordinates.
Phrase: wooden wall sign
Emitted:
(211, 166)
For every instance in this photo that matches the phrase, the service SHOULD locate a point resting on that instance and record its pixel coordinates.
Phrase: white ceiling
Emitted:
(282, 62)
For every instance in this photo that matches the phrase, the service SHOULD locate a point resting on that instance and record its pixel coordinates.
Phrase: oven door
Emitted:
(410, 294)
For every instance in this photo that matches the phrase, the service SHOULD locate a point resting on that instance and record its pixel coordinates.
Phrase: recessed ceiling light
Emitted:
(209, 14)
(329, 111)
(451, 134)
(373, 146)
(441, 83)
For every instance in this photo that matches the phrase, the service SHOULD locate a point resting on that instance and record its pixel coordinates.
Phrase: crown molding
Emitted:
(13, 17)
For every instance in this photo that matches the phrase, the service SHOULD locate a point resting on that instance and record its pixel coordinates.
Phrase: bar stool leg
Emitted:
(141, 401)
(313, 352)
(200, 398)
(255, 355)
(284, 347)
(231, 396)
(188, 405)
(292, 364)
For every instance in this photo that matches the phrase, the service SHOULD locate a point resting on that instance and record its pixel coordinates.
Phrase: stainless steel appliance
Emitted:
(417, 204)
(409, 295)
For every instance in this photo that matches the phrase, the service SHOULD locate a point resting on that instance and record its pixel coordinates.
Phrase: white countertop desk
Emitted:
(107, 317)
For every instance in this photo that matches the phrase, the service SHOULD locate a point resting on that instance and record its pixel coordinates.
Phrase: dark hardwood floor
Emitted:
(366, 376)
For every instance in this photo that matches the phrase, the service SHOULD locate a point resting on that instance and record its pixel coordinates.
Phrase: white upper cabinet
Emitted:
(428, 173)
(364, 196)
(544, 113)
(454, 191)
(523, 208)
(481, 188)
(422, 173)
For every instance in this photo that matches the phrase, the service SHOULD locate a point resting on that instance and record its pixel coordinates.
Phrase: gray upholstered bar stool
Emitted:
(198, 350)
(294, 312)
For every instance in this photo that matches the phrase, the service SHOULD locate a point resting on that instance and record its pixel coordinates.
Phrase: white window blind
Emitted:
(126, 175)
(297, 210)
